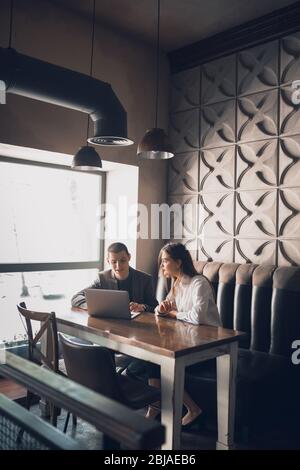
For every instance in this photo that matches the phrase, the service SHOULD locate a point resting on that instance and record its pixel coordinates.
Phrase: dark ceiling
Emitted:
(182, 22)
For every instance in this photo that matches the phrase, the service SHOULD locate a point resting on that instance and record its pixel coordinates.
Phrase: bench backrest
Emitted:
(262, 300)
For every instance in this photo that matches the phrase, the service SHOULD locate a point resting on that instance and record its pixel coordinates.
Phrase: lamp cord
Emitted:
(157, 63)
(93, 37)
(91, 63)
(11, 23)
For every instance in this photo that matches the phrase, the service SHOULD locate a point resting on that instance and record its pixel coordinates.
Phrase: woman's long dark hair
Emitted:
(177, 251)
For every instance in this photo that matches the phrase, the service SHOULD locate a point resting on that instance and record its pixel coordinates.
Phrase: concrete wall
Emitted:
(46, 30)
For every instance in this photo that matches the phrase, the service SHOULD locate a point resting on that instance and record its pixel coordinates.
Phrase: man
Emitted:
(122, 277)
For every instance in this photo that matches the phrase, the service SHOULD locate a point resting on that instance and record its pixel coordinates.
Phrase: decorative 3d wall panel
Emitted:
(236, 134)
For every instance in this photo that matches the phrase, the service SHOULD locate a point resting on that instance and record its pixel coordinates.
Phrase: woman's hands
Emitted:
(166, 308)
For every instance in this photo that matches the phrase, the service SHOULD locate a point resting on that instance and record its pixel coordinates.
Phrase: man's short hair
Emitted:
(117, 247)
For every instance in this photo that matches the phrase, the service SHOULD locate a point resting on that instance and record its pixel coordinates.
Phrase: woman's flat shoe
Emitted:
(198, 424)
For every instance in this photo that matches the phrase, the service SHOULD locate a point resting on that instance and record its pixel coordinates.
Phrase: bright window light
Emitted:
(48, 214)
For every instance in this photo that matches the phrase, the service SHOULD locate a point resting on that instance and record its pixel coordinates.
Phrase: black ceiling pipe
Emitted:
(39, 80)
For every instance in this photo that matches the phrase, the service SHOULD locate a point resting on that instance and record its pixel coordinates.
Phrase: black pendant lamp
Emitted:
(87, 159)
(155, 144)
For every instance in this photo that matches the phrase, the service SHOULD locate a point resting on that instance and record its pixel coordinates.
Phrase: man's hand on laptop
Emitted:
(135, 307)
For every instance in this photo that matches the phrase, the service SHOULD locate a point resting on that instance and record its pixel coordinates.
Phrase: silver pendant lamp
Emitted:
(87, 159)
(155, 144)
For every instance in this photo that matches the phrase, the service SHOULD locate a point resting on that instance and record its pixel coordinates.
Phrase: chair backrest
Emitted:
(93, 367)
(49, 357)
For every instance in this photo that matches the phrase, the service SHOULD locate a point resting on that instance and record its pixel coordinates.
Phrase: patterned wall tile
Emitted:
(289, 161)
(185, 91)
(239, 224)
(256, 214)
(290, 58)
(258, 68)
(183, 173)
(289, 213)
(216, 249)
(217, 169)
(216, 215)
(218, 80)
(184, 216)
(218, 124)
(257, 164)
(289, 253)
(184, 131)
(190, 244)
(257, 116)
(255, 251)
(290, 112)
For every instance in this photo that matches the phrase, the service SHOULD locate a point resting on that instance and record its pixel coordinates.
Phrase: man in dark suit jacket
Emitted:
(122, 277)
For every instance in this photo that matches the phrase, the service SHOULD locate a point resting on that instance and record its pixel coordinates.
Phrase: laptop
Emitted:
(104, 303)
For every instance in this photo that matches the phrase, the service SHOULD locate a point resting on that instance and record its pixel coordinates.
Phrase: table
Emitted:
(173, 345)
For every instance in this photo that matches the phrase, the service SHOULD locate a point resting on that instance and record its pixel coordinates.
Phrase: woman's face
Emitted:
(169, 266)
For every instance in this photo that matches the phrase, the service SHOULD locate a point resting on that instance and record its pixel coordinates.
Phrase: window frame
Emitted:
(59, 266)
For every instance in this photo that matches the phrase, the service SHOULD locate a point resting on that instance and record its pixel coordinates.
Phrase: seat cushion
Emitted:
(253, 366)
(267, 387)
(137, 393)
(257, 366)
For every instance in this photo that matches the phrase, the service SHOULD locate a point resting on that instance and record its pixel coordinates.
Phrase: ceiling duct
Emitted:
(39, 80)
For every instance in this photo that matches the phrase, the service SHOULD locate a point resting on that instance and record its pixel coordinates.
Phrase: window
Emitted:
(42, 291)
(49, 238)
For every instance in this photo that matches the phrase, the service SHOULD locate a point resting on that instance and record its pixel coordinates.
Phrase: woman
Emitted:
(191, 299)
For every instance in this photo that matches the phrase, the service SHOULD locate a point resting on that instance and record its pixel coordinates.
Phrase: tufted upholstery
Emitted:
(263, 301)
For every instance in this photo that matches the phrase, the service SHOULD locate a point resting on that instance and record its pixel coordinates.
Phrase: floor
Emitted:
(87, 435)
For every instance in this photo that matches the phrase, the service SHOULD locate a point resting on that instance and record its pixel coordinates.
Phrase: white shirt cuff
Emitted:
(180, 315)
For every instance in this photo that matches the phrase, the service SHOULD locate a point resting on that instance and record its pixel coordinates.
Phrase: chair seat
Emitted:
(137, 393)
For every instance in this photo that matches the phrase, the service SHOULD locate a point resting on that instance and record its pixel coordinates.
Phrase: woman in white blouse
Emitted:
(191, 299)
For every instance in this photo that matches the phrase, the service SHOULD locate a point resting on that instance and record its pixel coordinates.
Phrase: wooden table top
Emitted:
(164, 336)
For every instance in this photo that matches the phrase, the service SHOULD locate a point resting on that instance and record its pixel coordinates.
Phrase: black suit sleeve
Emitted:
(149, 295)
(79, 299)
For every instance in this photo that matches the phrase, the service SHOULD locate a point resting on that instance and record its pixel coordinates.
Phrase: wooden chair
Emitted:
(48, 358)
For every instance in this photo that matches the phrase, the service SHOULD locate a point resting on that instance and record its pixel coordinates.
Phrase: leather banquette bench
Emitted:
(264, 302)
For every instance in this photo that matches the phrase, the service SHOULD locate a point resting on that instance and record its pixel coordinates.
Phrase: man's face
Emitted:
(119, 263)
